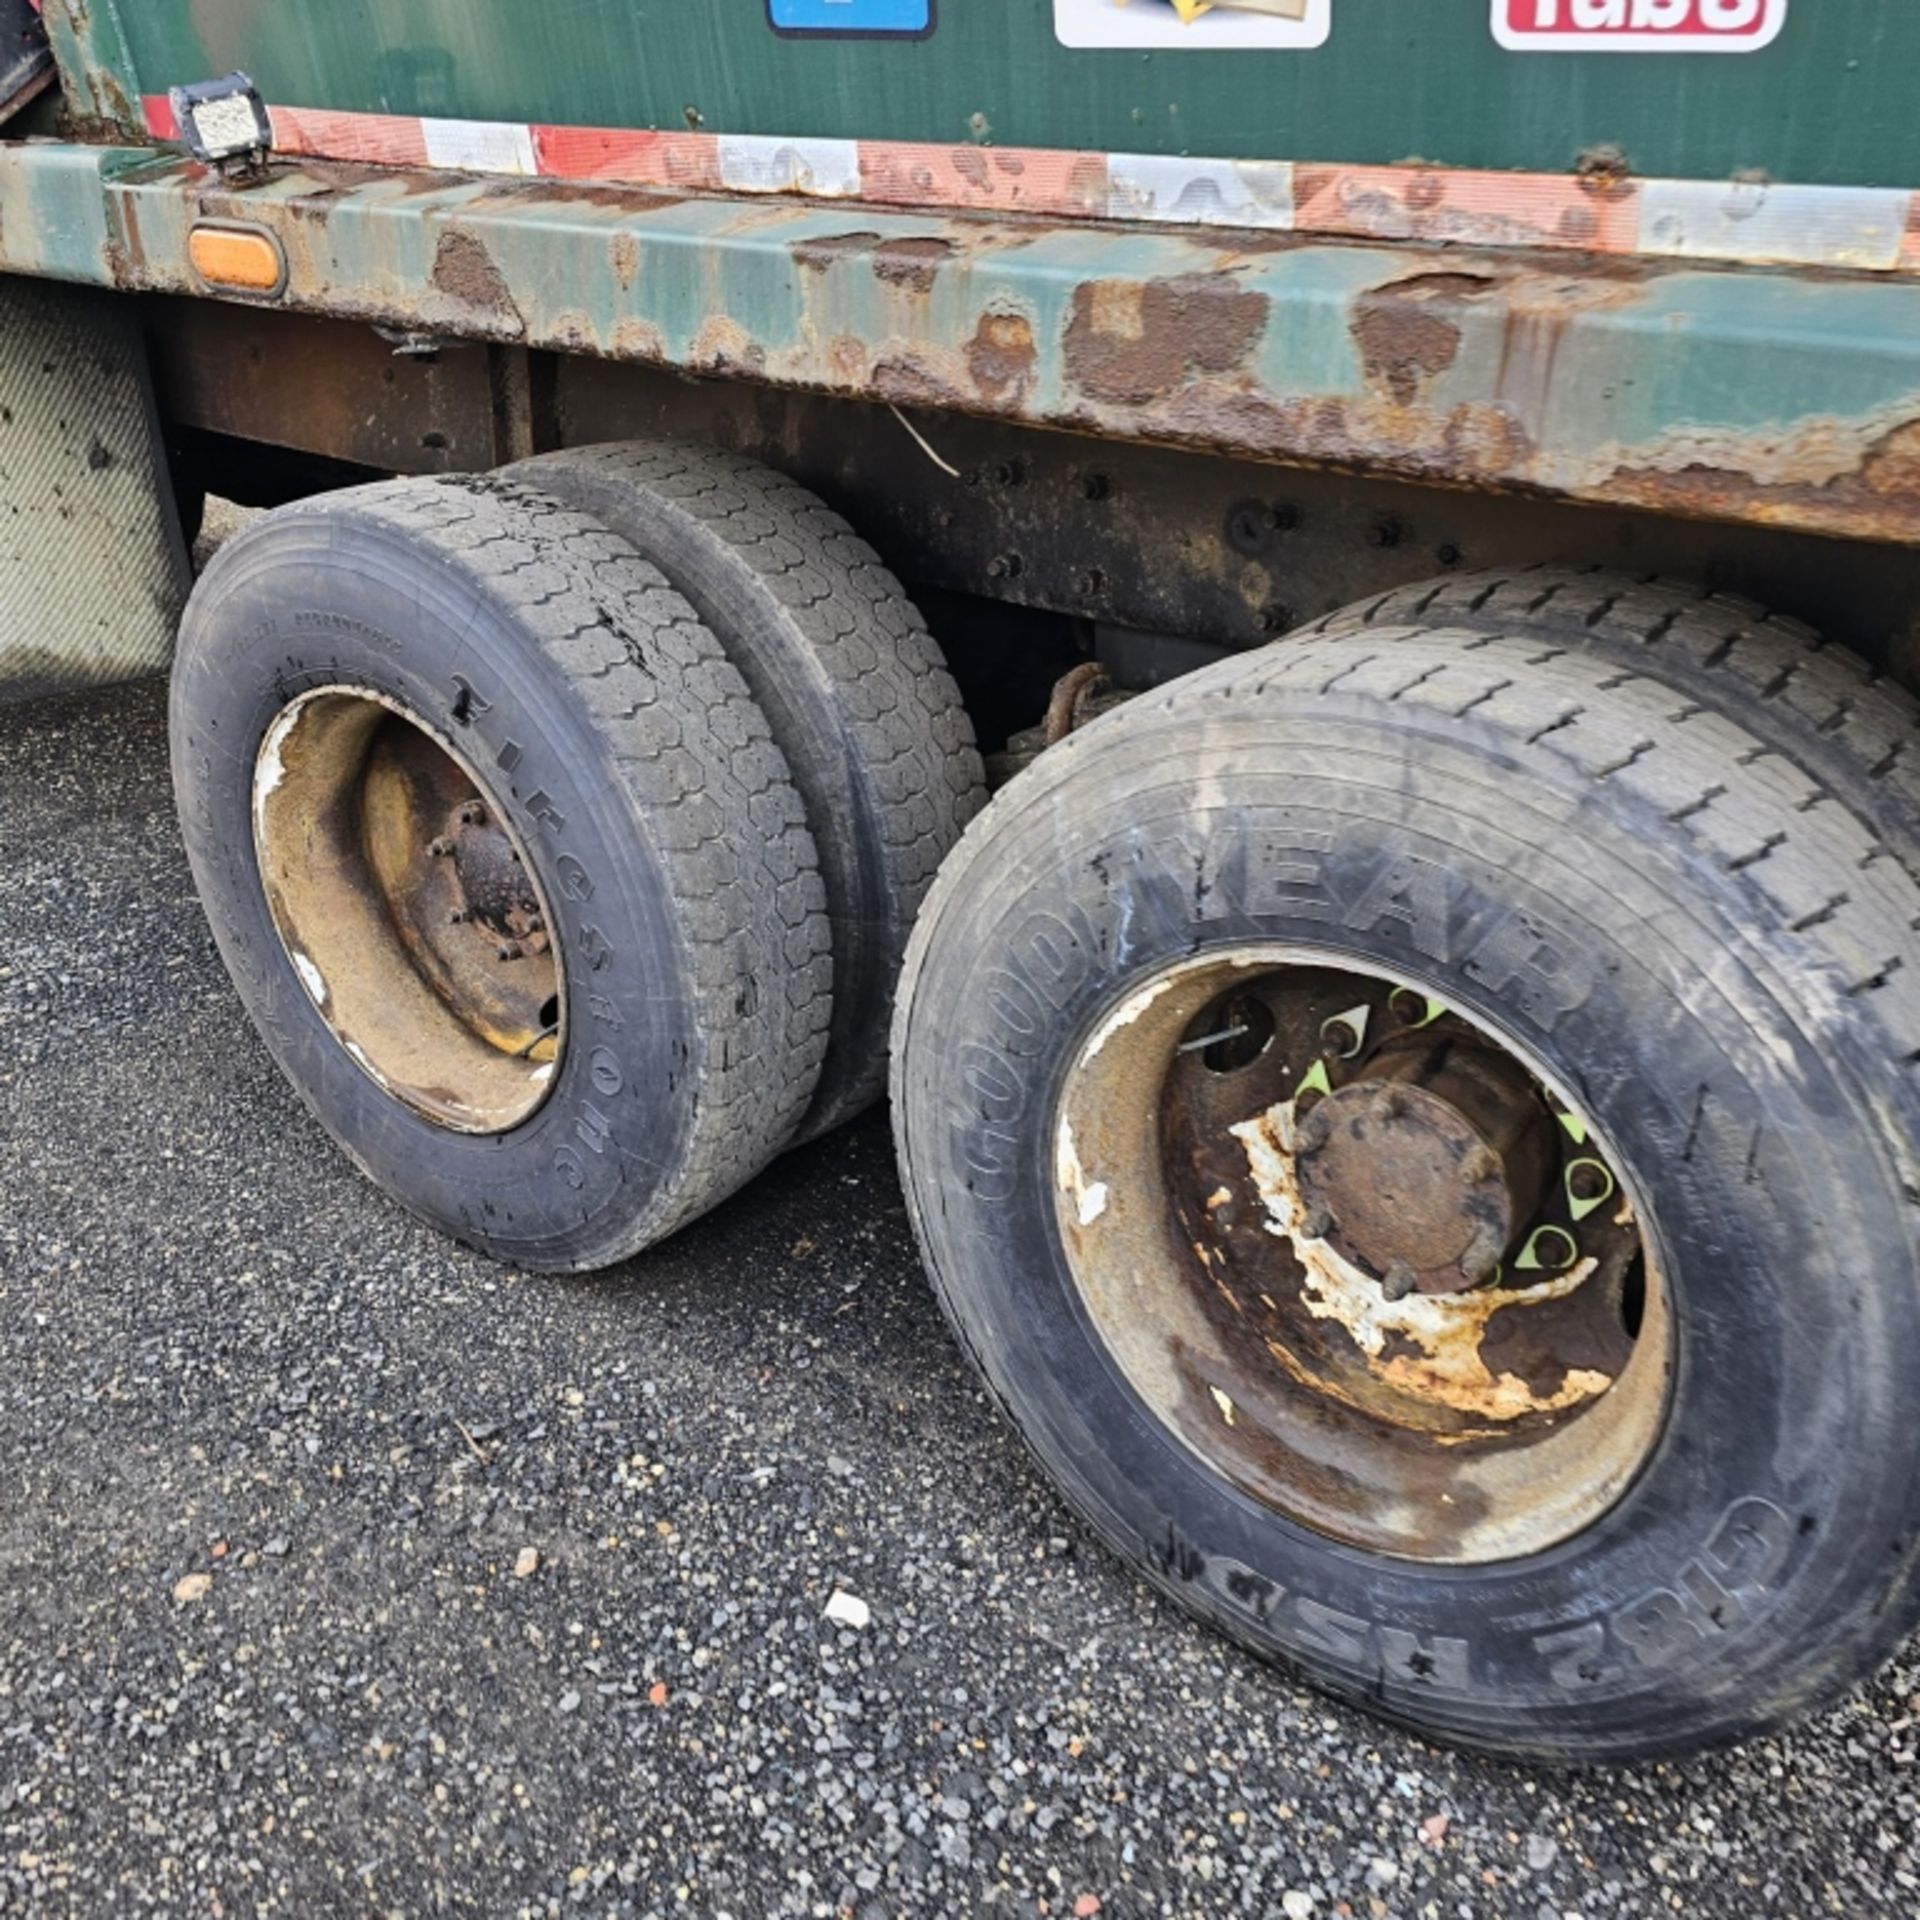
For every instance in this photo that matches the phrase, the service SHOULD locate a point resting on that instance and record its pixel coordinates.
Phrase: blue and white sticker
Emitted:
(910, 18)
(1193, 26)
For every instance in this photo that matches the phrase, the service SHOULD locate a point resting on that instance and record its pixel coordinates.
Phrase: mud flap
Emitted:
(93, 572)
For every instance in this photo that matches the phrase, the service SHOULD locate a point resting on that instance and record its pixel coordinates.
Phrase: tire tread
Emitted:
(903, 737)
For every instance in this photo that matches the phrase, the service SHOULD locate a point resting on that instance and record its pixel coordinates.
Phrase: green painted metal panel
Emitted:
(1791, 399)
(53, 212)
(1828, 102)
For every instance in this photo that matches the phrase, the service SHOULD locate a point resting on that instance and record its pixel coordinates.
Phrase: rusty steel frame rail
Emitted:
(1789, 399)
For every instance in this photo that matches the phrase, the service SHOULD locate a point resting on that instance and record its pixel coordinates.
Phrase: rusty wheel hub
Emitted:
(1355, 1249)
(408, 909)
(496, 890)
(1420, 1173)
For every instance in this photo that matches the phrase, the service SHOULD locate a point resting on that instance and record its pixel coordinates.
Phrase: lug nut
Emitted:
(509, 950)
(1398, 1281)
(1312, 1133)
(1316, 1223)
(441, 848)
(459, 916)
(1482, 1257)
(1480, 1166)
(472, 814)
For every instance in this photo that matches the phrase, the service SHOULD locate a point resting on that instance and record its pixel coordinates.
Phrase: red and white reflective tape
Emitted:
(1871, 229)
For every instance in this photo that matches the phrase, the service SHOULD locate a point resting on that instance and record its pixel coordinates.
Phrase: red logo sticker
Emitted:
(1637, 26)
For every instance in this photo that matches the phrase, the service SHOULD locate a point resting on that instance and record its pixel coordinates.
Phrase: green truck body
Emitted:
(1041, 228)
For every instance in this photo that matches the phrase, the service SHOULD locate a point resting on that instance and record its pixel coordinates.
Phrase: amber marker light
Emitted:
(241, 259)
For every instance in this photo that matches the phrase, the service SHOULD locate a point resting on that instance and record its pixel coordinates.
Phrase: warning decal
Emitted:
(1193, 26)
(1637, 26)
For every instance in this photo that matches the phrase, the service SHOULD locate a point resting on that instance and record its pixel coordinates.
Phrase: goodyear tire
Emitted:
(503, 863)
(852, 684)
(1440, 846)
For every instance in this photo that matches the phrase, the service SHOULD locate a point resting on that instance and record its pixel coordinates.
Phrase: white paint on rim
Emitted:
(1445, 1329)
(270, 769)
(1125, 1015)
(310, 977)
(1089, 1197)
(359, 1054)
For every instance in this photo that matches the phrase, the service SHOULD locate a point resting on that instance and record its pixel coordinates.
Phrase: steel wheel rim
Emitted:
(409, 910)
(1311, 1362)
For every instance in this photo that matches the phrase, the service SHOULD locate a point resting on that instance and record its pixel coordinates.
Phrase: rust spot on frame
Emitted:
(1001, 356)
(818, 255)
(1875, 499)
(911, 262)
(1404, 342)
(464, 270)
(1132, 342)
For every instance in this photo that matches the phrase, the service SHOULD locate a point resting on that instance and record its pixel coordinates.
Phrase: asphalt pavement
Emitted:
(344, 1573)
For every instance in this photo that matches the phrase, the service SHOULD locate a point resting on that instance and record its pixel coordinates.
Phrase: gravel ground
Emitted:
(345, 1573)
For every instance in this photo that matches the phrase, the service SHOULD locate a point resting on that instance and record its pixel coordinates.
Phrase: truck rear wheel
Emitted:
(503, 862)
(852, 684)
(1374, 1112)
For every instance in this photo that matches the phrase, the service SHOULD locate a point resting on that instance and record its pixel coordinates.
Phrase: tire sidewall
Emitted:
(1766, 1501)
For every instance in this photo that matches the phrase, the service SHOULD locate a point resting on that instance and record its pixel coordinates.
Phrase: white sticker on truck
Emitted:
(1638, 26)
(1193, 26)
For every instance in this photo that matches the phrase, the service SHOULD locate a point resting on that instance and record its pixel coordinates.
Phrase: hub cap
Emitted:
(1421, 1171)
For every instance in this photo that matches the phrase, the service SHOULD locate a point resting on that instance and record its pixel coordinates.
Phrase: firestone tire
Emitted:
(853, 686)
(635, 770)
(1691, 934)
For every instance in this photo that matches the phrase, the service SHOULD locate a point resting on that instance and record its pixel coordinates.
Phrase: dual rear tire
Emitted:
(524, 892)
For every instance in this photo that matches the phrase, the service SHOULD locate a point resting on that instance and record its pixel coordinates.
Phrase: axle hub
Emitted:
(1421, 1173)
(494, 885)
